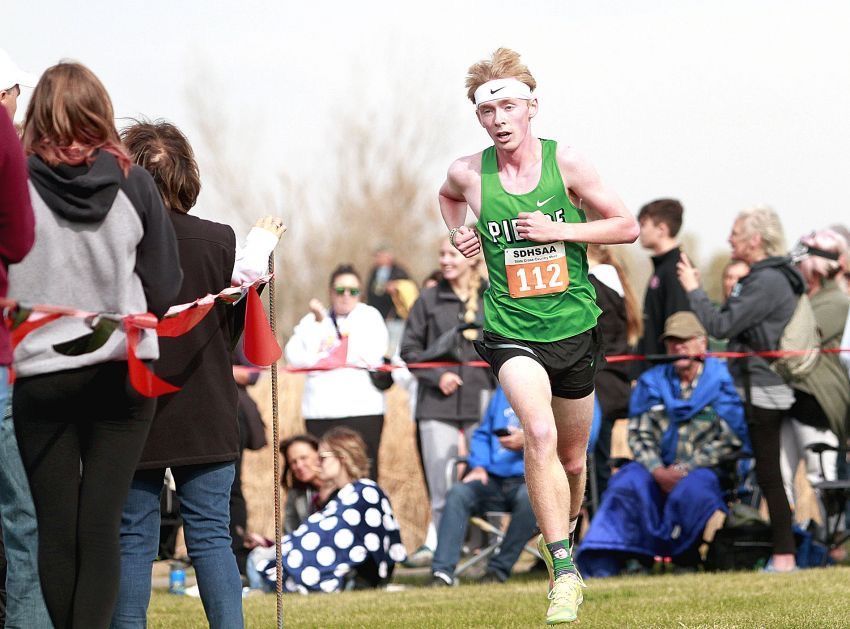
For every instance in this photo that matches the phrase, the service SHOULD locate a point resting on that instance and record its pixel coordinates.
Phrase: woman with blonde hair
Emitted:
(442, 326)
(620, 326)
(103, 244)
(353, 541)
(753, 319)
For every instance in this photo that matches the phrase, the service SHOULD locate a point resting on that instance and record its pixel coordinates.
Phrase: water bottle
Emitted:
(177, 578)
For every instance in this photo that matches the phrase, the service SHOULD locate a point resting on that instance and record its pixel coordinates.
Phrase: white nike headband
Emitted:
(498, 89)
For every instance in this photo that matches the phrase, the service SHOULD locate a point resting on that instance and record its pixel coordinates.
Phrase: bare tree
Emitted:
(374, 191)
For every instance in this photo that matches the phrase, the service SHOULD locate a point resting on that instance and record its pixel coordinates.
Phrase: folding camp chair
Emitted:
(833, 497)
(493, 525)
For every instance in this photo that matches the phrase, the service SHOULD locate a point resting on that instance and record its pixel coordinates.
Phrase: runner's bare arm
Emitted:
(453, 207)
(614, 223)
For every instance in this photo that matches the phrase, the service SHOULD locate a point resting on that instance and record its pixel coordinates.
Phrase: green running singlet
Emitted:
(538, 292)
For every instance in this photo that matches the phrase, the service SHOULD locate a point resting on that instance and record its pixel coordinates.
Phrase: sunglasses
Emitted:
(342, 290)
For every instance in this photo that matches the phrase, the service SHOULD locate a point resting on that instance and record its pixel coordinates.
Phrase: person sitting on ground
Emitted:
(686, 421)
(301, 477)
(353, 541)
(495, 482)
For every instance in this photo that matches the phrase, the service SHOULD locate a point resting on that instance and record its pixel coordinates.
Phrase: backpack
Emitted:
(802, 336)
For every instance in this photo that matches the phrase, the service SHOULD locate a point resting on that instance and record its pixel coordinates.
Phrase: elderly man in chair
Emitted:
(687, 425)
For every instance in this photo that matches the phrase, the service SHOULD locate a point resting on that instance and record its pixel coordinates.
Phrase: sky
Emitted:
(720, 104)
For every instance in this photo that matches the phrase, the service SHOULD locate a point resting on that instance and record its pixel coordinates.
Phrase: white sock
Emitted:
(431, 537)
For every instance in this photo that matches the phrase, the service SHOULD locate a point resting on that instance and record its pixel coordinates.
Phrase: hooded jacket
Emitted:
(103, 243)
(754, 317)
(17, 227)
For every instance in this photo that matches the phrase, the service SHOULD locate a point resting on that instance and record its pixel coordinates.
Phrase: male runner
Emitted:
(530, 197)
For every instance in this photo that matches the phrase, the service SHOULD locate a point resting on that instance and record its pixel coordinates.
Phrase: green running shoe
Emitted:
(565, 597)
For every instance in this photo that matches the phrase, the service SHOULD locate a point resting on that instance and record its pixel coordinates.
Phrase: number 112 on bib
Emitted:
(536, 270)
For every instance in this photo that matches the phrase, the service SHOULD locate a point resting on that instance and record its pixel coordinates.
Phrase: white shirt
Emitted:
(340, 392)
(252, 260)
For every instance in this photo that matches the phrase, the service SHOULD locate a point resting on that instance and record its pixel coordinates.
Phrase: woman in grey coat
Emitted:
(442, 325)
(753, 319)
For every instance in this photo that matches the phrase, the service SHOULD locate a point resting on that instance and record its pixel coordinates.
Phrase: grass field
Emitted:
(812, 598)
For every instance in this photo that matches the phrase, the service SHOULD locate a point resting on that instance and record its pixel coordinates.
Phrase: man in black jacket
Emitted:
(660, 222)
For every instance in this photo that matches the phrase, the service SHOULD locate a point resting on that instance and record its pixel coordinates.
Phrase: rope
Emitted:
(618, 358)
(276, 455)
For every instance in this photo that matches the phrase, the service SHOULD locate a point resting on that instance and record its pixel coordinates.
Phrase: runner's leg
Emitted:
(573, 419)
(526, 385)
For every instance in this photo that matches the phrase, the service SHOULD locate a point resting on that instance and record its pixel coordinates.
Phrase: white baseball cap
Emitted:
(11, 74)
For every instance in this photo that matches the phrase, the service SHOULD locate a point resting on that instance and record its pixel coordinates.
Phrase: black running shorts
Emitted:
(571, 363)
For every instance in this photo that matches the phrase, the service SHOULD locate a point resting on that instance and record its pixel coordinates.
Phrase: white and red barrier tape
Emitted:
(261, 347)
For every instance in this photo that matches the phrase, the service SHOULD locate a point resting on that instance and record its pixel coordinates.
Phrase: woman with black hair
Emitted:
(347, 338)
(306, 493)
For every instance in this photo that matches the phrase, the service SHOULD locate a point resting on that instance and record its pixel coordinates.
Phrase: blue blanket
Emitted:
(637, 519)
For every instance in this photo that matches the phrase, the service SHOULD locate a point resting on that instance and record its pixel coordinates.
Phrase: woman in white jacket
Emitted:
(351, 333)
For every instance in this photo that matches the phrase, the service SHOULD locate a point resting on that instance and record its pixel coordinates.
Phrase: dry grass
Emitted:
(400, 474)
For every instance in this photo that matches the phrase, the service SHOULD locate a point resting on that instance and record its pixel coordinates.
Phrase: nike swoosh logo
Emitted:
(542, 203)
(496, 90)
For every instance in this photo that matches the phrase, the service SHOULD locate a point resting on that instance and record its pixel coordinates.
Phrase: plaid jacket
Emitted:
(703, 441)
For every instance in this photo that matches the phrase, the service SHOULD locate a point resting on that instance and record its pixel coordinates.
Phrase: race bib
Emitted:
(536, 270)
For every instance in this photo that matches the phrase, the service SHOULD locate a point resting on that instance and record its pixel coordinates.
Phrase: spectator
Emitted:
(686, 421)
(753, 320)
(733, 272)
(821, 403)
(356, 335)
(843, 277)
(252, 436)
(384, 271)
(391, 292)
(433, 279)
(620, 325)
(442, 326)
(104, 243)
(660, 222)
(195, 431)
(12, 79)
(23, 603)
(352, 542)
(495, 482)
(301, 477)
(845, 343)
